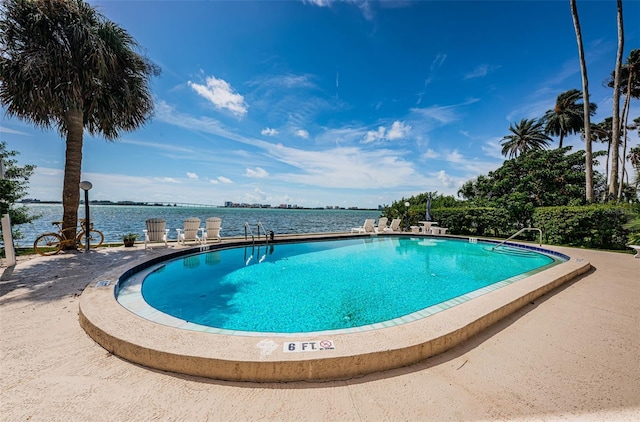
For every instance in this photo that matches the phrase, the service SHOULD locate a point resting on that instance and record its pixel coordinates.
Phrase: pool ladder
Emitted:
(517, 233)
(268, 235)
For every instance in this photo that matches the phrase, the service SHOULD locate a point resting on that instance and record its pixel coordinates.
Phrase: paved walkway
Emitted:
(571, 355)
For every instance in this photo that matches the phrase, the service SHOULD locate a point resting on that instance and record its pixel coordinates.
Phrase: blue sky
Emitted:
(345, 103)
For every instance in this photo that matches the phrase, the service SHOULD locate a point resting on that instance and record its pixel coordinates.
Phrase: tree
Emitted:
(64, 65)
(539, 178)
(634, 158)
(567, 115)
(615, 129)
(527, 135)
(630, 77)
(586, 111)
(13, 187)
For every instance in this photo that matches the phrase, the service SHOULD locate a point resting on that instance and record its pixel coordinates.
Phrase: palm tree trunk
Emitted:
(625, 120)
(587, 114)
(606, 171)
(615, 117)
(560, 140)
(72, 172)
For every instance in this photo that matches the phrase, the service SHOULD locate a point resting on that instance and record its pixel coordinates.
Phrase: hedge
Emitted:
(592, 226)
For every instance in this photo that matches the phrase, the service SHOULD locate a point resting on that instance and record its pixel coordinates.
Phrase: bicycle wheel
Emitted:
(95, 238)
(48, 244)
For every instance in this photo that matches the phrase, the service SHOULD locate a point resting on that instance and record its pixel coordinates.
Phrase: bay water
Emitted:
(116, 220)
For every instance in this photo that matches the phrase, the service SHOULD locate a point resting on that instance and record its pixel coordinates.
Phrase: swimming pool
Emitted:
(331, 285)
(131, 329)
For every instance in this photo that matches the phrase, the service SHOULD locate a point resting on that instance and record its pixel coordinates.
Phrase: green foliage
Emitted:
(477, 221)
(594, 226)
(567, 116)
(416, 211)
(13, 187)
(536, 179)
(525, 136)
(634, 226)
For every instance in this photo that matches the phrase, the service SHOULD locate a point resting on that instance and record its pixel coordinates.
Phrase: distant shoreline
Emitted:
(184, 205)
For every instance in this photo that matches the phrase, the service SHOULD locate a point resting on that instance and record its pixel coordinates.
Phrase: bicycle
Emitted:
(53, 242)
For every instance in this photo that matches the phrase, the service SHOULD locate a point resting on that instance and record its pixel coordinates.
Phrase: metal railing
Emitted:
(517, 233)
(268, 234)
(247, 230)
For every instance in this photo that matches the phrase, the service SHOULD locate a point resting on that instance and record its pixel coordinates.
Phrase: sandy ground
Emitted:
(571, 355)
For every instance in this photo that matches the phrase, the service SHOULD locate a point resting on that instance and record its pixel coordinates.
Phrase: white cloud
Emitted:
(431, 154)
(284, 81)
(455, 157)
(269, 132)
(257, 172)
(478, 72)
(398, 130)
(481, 71)
(167, 180)
(347, 168)
(302, 133)
(223, 179)
(446, 180)
(492, 148)
(221, 95)
(4, 129)
(192, 175)
(373, 135)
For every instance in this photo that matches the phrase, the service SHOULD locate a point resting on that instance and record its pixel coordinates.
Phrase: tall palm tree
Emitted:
(527, 135)
(586, 114)
(615, 139)
(567, 115)
(630, 78)
(64, 65)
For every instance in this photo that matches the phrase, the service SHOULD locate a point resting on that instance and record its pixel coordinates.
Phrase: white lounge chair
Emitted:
(190, 231)
(156, 231)
(637, 249)
(394, 226)
(212, 229)
(367, 227)
(382, 224)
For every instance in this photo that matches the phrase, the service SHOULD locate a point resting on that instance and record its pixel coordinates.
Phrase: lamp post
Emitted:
(85, 186)
(406, 224)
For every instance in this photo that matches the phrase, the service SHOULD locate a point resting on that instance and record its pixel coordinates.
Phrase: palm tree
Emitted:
(630, 76)
(615, 139)
(66, 66)
(527, 135)
(586, 112)
(567, 115)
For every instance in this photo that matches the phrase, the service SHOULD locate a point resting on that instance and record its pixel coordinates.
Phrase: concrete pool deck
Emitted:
(570, 355)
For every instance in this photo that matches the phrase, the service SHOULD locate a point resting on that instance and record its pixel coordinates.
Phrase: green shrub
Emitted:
(592, 226)
(478, 221)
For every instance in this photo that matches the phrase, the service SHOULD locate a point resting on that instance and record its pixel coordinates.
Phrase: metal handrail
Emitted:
(247, 227)
(517, 233)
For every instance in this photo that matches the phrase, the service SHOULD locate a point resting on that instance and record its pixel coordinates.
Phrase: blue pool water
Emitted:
(328, 285)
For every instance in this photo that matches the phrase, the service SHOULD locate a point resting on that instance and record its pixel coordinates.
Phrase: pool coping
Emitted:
(319, 356)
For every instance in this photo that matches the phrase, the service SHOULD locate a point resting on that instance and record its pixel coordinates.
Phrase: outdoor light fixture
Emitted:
(406, 223)
(85, 186)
